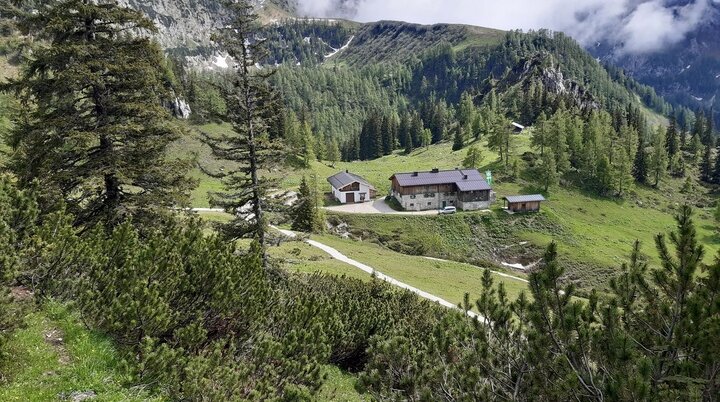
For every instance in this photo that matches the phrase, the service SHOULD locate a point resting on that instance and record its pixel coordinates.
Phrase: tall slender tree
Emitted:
(96, 132)
(250, 97)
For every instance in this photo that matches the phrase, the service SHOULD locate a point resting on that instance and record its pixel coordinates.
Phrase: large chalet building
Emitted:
(464, 189)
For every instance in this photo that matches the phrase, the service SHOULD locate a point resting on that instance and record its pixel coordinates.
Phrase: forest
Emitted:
(93, 214)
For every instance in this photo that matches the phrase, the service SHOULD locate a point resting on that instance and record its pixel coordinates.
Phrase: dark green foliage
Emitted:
(94, 130)
(18, 223)
(306, 213)
(458, 139)
(251, 102)
(306, 42)
(652, 339)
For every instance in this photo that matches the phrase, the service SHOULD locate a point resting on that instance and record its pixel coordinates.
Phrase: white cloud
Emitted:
(639, 25)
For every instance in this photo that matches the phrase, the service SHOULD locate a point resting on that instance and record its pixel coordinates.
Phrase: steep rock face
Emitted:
(185, 26)
(541, 68)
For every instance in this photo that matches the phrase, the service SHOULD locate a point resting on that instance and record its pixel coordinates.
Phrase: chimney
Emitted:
(436, 170)
(347, 171)
(465, 177)
(415, 174)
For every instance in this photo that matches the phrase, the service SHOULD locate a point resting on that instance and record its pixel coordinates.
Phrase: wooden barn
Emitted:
(523, 203)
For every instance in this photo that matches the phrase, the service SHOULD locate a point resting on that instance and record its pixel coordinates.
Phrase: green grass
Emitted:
(339, 387)
(448, 280)
(83, 361)
(594, 234)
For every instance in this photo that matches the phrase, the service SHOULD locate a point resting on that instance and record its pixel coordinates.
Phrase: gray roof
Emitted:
(465, 179)
(342, 179)
(525, 198)
(518, 125)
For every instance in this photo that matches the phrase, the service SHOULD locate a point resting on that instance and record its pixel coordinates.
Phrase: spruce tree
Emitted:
(458, 140)
(671, 141)
(305, 213)
(640, 165)
(707, 163)
(250, 98)
(659, 157)
(333, 152)
(97, 132)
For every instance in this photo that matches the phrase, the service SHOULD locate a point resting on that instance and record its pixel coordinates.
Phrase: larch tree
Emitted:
(473, 158)
(250, 98)
(96, 131)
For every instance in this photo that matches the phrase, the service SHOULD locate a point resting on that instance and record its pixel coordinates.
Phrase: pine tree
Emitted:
(604, 175)
(96, 132)
(458, 139)
(249, 98)
(659, 157)
(473, 158)
(466, 110)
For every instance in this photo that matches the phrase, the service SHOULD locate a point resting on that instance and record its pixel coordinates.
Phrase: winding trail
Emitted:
(498, 273)
(343, 258)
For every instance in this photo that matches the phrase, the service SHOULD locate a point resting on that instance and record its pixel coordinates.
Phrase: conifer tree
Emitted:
(659, 157)
(671, 141)
(250, 98)
(333, 152)
(548, 171)
(707, 164)
(426, 138)
(640, 165)
(306, 212)
(604, 174)
(97, 132)
(458, 139)
(539, 137)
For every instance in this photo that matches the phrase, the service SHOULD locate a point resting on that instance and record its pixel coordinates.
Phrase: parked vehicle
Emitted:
(447, 211)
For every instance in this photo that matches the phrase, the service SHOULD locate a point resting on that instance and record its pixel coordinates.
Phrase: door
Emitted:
(350, 198)
(444, 204)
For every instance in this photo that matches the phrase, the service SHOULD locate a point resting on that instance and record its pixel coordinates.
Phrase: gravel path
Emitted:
(378, 206)
(343, 258)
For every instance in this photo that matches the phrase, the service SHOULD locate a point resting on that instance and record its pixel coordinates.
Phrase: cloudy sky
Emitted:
(640, 26)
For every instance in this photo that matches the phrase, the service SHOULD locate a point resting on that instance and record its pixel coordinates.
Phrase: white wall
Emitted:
(341, 196)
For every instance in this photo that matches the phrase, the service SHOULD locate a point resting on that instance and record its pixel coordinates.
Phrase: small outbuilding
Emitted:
(523, 203)
(517, 127)
(349, 188)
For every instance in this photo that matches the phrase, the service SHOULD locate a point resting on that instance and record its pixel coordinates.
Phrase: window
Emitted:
(429, 195)
(412, 205)
(429, 203)
(412, 197)
(362, 196)
(452, 202)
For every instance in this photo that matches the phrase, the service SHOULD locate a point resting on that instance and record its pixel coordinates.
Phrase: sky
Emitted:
(636, 26)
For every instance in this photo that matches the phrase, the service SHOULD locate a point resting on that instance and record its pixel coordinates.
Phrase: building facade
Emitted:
(349, 188)
(464, 189)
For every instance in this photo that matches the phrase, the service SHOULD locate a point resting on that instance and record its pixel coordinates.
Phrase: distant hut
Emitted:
(523, 203)
(517, 127)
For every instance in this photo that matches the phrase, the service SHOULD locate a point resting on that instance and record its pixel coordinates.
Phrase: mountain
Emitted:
(687, 73)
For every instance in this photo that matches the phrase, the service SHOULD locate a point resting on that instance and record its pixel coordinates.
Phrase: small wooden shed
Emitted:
(523, 203)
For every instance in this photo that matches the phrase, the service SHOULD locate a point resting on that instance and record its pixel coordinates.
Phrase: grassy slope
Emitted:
(595, 234)
(82, 361)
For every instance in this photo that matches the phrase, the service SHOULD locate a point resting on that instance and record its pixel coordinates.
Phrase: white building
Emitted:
(350, 188)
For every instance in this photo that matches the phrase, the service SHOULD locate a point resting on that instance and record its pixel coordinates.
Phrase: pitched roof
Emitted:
(518, 125)
(465, 179)
(342, 179)
(524, 198)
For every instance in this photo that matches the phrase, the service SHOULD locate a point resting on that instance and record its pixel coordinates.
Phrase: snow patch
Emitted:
(221, 62)
(336, 51)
